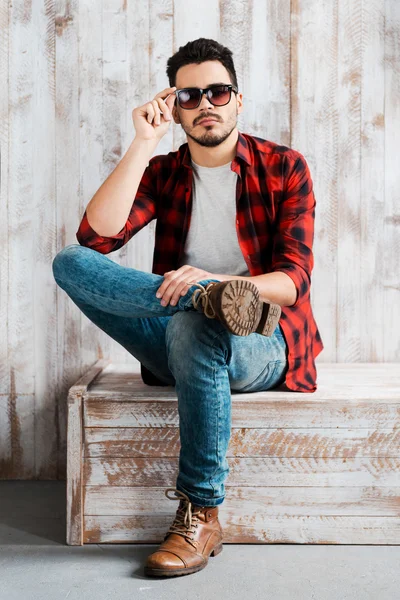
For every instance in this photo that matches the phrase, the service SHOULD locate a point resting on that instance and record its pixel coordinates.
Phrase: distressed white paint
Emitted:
(331, 455)
(321, 77)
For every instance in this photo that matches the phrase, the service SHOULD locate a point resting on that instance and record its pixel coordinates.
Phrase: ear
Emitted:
(239, 102)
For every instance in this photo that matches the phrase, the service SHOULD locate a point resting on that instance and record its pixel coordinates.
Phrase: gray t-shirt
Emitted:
(212, 243)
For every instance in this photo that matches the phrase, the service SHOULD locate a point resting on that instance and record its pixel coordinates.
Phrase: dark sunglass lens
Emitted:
(189, 98)
(220, 94)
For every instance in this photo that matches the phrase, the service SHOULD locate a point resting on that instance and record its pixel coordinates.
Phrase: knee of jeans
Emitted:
(176, 333)
(188, 331)
(62, 258)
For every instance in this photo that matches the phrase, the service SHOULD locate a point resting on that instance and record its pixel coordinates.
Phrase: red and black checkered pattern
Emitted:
(275, 207)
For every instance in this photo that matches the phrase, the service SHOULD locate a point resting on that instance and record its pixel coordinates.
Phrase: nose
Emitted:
(204, 102)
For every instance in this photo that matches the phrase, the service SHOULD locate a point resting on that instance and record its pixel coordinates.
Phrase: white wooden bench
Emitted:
(307, 468)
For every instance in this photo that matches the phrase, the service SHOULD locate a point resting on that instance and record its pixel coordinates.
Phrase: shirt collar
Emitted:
(242, 151)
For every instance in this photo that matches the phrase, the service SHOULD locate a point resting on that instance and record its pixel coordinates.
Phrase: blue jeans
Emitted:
(183, 348)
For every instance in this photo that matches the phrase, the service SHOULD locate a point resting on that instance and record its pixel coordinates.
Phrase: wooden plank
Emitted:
(67, 165)
(43, 246)
(265, 36)
(113, 115)
(145, 52)
(254, 500)
(249, 471)
(84, 382)
(372, 288)
(74, 471)
(388, 259)
(336, 381)
(350, 233)
(21, 207)
(19, 279)
(95, 343)
(282, 415)
(314, 98)
(75, 454)
(147, 442)
(5, 140)
(252, 529)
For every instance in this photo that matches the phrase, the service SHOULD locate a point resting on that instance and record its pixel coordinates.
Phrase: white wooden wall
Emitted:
(321, 76)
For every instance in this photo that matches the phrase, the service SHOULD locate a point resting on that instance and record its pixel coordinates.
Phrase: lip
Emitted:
(205, 121)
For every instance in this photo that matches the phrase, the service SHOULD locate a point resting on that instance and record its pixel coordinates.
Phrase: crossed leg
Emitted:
(182, 347)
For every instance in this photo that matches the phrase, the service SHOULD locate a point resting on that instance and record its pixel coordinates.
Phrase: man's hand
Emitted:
(176, 283)
(148, 120)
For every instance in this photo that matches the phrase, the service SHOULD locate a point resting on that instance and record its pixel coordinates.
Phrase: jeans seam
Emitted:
(218, 401)
(218, 409)
(94, 293)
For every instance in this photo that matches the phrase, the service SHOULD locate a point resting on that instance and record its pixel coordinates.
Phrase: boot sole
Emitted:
(184, 571)
(239, 307)
(269, 320)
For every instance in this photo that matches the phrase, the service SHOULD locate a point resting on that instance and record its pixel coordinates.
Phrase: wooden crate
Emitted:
(305, 468)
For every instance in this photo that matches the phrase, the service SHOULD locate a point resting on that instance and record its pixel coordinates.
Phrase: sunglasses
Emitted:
(218, 95)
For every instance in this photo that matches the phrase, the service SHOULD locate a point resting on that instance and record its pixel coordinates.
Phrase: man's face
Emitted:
(202, 76)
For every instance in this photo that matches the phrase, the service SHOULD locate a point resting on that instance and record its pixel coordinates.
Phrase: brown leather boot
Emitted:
(236, 303)
(194, 535)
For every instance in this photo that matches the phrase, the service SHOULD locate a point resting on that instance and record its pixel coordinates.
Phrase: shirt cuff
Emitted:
(300, 279)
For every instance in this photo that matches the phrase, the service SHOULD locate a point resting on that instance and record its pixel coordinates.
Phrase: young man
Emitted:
(227, 305)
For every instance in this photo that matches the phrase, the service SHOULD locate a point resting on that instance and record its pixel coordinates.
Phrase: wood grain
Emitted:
(323, 469)
(320, 77)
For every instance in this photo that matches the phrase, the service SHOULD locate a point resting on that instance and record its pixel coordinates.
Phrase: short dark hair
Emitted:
(199, 51)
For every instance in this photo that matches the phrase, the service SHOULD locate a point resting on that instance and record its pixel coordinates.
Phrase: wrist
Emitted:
(146, 145)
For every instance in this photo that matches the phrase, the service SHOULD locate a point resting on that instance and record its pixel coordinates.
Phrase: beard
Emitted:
(211, 137)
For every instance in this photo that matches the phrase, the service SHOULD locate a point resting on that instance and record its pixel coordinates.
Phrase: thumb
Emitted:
(171, 100)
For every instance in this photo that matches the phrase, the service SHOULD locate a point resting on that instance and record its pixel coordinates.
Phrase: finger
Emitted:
(182, 286)
(171, 100)
(157, 118)
(150, 112)
(166, 92)
(166, 113)
(167, 109)
(170, 292)
(163, 288)
(185, 289)
(181, 290)
(172, 287)
(167, 293)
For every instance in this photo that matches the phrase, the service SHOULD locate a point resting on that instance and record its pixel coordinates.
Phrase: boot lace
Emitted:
(201, 296)
(186, 519)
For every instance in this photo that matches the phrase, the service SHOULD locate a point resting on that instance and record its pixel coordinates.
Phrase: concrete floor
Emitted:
(36, 563)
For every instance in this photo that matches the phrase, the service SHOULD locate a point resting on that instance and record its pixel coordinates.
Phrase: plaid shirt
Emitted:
(274, 221)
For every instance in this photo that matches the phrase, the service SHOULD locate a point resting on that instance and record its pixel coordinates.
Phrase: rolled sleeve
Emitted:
(143, 211)
(292, 249)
